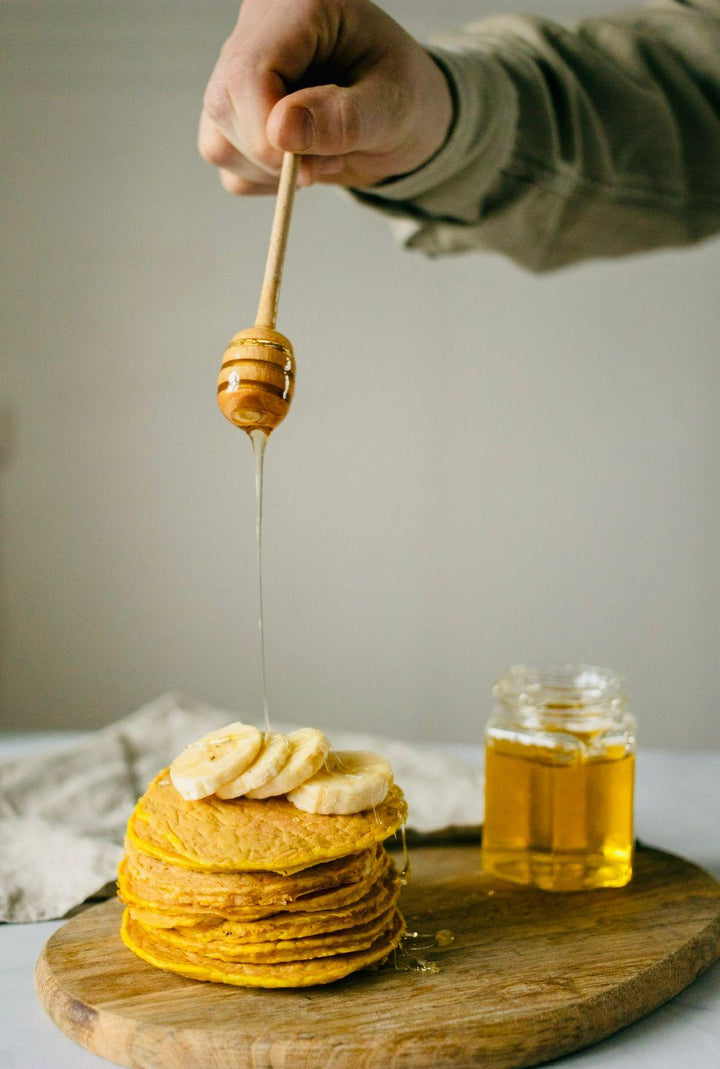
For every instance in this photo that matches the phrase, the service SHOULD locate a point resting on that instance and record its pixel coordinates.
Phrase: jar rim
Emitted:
(561, 687)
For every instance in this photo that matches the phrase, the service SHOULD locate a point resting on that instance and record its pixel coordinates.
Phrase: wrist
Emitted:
(438, 111)
(445, 109)
(481, 141)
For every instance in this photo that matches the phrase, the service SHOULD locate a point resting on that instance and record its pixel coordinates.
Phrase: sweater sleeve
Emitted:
(601, 140)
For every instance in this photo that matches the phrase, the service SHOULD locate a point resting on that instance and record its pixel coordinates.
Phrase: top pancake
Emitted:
(248, 835)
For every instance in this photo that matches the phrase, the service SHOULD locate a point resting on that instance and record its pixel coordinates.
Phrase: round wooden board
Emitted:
(530, 976)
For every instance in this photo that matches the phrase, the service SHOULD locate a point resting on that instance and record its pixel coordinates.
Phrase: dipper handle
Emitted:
(270, 293)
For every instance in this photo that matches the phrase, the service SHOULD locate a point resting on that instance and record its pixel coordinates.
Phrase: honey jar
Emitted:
(559, 774)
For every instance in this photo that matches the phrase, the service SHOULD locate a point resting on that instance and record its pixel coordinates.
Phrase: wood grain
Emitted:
(530, 976)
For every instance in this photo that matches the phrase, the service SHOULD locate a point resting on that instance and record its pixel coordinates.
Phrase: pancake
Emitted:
(149, 877)
(164, 911)
(302, 973)
(246, 835)
(275, 952)
(225, 933)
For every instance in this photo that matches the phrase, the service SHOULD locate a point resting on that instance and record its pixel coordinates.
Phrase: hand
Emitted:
(338, 81)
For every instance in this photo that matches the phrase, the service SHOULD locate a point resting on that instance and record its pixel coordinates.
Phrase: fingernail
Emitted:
(303, 129)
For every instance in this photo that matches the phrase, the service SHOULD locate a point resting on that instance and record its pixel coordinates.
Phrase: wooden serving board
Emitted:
(529, 976)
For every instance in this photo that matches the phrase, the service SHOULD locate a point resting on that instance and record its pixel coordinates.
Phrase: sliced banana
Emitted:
(309, 748)
(213, 760)
(351, 781)
(271, 759)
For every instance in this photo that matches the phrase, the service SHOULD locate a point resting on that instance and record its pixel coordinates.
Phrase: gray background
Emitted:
(481, 466)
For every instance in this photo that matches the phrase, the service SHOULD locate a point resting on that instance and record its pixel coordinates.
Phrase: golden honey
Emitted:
(559, 774)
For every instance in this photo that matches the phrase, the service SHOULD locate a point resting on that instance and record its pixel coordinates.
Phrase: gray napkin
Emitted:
(63, 814)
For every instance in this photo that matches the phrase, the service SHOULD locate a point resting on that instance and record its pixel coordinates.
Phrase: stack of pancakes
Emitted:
(256, 892)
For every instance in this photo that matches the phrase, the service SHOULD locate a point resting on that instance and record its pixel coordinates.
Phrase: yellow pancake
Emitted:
(304, 973)
(210, 937)
(149, 877)
(164, 913)
(277, 951)
(246, 835)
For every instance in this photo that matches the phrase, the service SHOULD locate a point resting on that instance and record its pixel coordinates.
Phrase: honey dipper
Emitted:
(257, 377)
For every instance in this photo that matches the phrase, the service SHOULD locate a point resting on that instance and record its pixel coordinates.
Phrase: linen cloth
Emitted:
(569, 142)
(63, 814)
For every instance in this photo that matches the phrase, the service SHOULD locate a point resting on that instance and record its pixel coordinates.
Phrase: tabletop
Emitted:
(677, 807)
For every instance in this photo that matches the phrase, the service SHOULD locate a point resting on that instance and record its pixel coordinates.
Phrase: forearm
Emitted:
(568, 144)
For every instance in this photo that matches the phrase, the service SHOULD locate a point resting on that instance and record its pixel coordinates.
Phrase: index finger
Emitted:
(271, 49)
(238, 101)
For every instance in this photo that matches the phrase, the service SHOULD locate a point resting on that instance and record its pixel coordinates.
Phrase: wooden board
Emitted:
(529, 976)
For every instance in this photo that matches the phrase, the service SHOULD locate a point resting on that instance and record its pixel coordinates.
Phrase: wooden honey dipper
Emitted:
(257, 377)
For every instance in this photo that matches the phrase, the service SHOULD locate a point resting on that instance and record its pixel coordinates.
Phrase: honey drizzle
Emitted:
(405, 870)
(259, 442)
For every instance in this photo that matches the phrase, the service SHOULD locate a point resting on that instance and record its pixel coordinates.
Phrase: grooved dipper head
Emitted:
(257, 379)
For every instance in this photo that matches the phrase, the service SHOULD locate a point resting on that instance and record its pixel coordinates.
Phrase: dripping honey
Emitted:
(259, 441)
(559, 786)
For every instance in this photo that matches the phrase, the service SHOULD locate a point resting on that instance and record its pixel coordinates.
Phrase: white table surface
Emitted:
(677, 808)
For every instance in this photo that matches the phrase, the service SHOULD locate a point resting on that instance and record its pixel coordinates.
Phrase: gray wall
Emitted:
(481, 466)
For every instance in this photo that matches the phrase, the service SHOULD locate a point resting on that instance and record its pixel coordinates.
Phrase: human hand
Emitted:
(337, 81)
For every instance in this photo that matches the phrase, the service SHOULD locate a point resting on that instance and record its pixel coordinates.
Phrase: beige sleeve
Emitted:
(600, 140)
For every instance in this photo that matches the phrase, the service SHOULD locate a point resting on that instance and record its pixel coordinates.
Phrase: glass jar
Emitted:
(559, 773)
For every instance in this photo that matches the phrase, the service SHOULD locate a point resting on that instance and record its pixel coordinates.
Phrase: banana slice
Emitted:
(351, 781)
(271, 759)
(213, 760)
(309, 748)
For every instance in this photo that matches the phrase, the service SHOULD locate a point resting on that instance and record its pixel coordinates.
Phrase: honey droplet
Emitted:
(444, 938)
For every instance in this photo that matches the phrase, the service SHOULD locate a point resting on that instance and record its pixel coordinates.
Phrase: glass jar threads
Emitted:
(559, 774)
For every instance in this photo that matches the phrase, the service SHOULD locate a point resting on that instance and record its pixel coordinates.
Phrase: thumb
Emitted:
(333, 120)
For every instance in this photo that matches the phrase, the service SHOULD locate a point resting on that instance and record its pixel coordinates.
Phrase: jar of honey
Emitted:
(559, 773)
